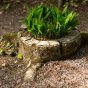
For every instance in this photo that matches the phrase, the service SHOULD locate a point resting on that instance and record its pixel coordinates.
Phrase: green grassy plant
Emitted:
(2, 52)
(49, 22)
(19, 56)
(9, 44)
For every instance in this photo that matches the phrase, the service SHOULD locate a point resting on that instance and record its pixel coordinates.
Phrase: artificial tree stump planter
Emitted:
(70, 43)
(36, 51)
(84, 36)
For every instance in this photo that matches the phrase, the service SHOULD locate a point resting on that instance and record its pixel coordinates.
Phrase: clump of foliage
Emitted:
(9, 44)
(2, 52)
(19, 56)
(49, 22)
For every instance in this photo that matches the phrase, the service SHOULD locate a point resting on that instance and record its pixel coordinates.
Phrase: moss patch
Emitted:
(9, 43)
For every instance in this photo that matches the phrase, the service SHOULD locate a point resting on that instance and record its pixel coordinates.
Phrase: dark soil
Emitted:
(83, 17)
(11, 20)
(10, 72)
(72, 72)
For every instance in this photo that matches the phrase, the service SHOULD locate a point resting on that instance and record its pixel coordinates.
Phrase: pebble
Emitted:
(3, 65)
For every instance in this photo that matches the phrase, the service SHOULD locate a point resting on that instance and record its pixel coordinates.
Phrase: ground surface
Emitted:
(11, 20)
(83, 17)
(69, 73)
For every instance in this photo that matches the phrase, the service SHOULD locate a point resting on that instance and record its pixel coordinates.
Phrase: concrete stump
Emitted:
(35, 51)
(70, 43)
(84, 35)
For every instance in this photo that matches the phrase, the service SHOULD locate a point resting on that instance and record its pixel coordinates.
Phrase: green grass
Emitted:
(49, 22)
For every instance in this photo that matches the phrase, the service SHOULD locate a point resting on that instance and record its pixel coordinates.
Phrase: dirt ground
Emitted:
(83, 17)
(71, 72)
(11, 20)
